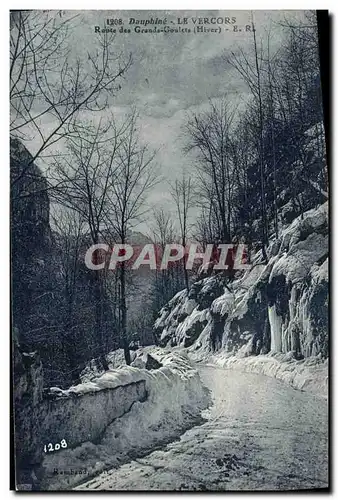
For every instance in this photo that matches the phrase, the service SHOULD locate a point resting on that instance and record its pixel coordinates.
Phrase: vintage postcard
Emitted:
(169, 250)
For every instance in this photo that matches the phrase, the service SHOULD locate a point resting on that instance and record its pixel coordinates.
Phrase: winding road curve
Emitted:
(259, 434)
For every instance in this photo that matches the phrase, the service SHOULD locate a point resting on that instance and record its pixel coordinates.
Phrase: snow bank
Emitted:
(109, 380)
(310, 374)
(115, 359)
(175, 399)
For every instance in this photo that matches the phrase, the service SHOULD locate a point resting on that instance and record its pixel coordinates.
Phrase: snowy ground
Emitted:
(309, 374)
(260, 434)
(175, 400)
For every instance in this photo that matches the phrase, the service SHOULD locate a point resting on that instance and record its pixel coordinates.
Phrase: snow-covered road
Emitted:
(259, 434)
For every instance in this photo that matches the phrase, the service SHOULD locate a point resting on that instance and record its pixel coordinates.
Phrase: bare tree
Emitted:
(70, 233)
(87, 173)
(209, 133)
(182, 194)
(134, 176)
(251, 71)
(207, 227)
(48, 83)
(168, 281)
(271, 122)
(162, 228)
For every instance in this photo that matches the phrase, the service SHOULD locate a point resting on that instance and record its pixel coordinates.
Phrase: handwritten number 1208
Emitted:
(49, 447)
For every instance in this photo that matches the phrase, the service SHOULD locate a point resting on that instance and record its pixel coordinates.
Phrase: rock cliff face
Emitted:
(31, 237)
(47, 307)
(280, 306)
(29, 193)
(27, 397)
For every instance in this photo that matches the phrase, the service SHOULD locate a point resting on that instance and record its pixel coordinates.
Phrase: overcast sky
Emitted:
(174, 74)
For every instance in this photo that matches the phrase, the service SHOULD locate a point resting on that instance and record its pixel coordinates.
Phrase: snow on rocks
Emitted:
(175, 399)
(276, 307)
(224, 304)
(108, 380)
(146, 361)
(188, 314)
(115, 359)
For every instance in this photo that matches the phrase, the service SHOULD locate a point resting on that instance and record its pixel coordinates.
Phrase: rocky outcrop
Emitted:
(47, 305)
(29, 194)
(183, 319)
(281, 306)
(298, 287)
(27, 397)
(146, 361)
(31, 239)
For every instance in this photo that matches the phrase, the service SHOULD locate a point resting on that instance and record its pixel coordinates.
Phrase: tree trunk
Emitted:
(98, 320)
(272, 119)
(123, 306)
(185, 271)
